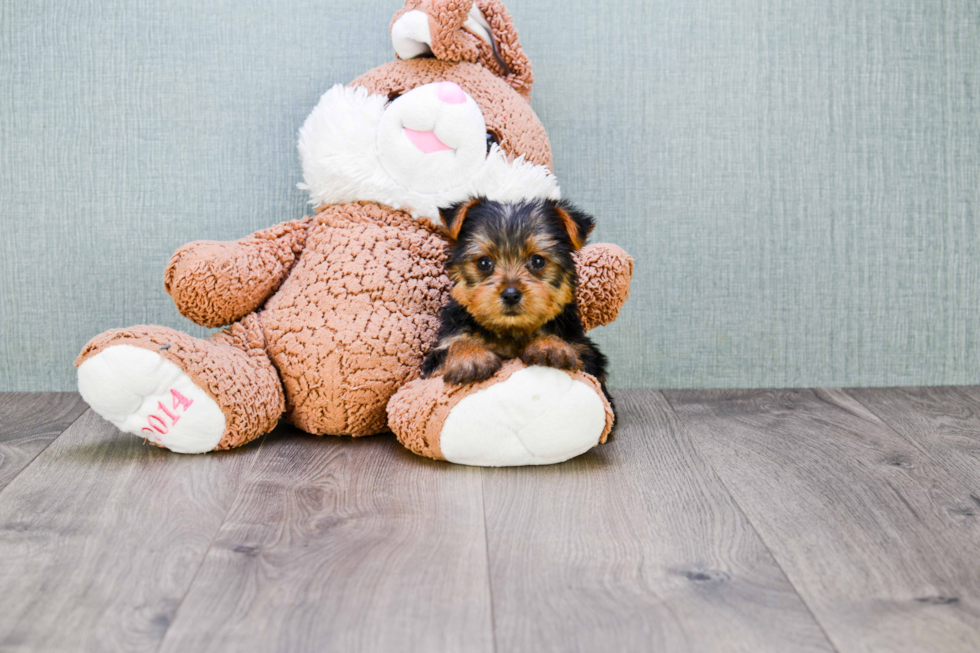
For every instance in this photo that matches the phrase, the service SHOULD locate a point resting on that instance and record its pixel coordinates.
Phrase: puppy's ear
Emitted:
(454, 216)
(577, 223)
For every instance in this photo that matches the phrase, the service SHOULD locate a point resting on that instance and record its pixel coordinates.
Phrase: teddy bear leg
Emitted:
(183, 393)
(521, 416)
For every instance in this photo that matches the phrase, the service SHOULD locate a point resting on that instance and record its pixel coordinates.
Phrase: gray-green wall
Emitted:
(799, 181)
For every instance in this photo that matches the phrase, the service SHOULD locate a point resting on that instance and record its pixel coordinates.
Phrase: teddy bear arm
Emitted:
(216, 283)
(604, 272)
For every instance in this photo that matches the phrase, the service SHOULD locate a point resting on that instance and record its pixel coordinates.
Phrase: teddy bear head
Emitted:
(450, 119)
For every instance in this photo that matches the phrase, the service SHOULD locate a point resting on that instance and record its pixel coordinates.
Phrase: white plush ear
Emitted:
(412, 36)
(477, 23)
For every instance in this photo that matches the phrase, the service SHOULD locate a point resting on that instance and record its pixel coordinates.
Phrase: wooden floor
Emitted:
(813, 520)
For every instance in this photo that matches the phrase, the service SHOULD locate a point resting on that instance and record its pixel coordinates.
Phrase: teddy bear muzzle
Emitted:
(432, 138)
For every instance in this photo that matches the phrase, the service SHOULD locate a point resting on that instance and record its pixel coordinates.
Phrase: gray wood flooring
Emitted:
(791, 520)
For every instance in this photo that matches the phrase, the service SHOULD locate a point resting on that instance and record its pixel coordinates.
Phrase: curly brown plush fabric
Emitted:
(419, 410)
(515, 68)
(354, 319)
(604, 273)
(197, 276)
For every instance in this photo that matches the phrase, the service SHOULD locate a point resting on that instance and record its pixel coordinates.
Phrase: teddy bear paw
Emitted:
(538, 416)
(142, 393)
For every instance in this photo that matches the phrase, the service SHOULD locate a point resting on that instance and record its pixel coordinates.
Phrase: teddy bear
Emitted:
(326, 319)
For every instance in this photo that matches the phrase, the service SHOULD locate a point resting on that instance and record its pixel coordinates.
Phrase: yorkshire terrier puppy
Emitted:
(513, 292)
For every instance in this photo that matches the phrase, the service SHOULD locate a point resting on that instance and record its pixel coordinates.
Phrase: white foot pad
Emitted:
(144, 394)
(538, 416)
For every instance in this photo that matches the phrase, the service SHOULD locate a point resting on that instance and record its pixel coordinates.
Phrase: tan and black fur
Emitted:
(513, 293)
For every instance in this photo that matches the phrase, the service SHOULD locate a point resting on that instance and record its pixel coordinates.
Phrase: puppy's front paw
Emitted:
(473, 366)
(551, 352)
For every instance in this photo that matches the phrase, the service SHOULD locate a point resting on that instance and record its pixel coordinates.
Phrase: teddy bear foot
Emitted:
(521, 416)
(538, 416)
(142, 393)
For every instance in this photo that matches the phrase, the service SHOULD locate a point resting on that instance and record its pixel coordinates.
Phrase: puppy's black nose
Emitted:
(510, 295)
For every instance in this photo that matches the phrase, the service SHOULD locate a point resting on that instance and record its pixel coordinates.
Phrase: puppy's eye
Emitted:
(491, 141)
(484, 264)
(537, 262)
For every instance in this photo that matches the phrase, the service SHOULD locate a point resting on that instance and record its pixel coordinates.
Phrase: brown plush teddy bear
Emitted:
(332, 314)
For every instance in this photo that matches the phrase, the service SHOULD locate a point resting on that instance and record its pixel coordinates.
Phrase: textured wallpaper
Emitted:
(799, 181)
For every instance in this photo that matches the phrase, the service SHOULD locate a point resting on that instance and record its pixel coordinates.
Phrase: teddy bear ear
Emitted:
(480, 31)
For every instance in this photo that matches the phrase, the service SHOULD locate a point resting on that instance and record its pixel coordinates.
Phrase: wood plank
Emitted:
(101, 537)
(344, 545)
(635, 546)
(944, 423)
(857, 517)
(29, 422)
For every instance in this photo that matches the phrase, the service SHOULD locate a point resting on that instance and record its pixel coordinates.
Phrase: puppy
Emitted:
(513, 292)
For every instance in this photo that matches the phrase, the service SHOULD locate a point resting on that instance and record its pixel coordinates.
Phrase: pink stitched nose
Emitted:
(451, 93)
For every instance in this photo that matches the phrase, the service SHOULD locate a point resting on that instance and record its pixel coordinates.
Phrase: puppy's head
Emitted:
(511, 264)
